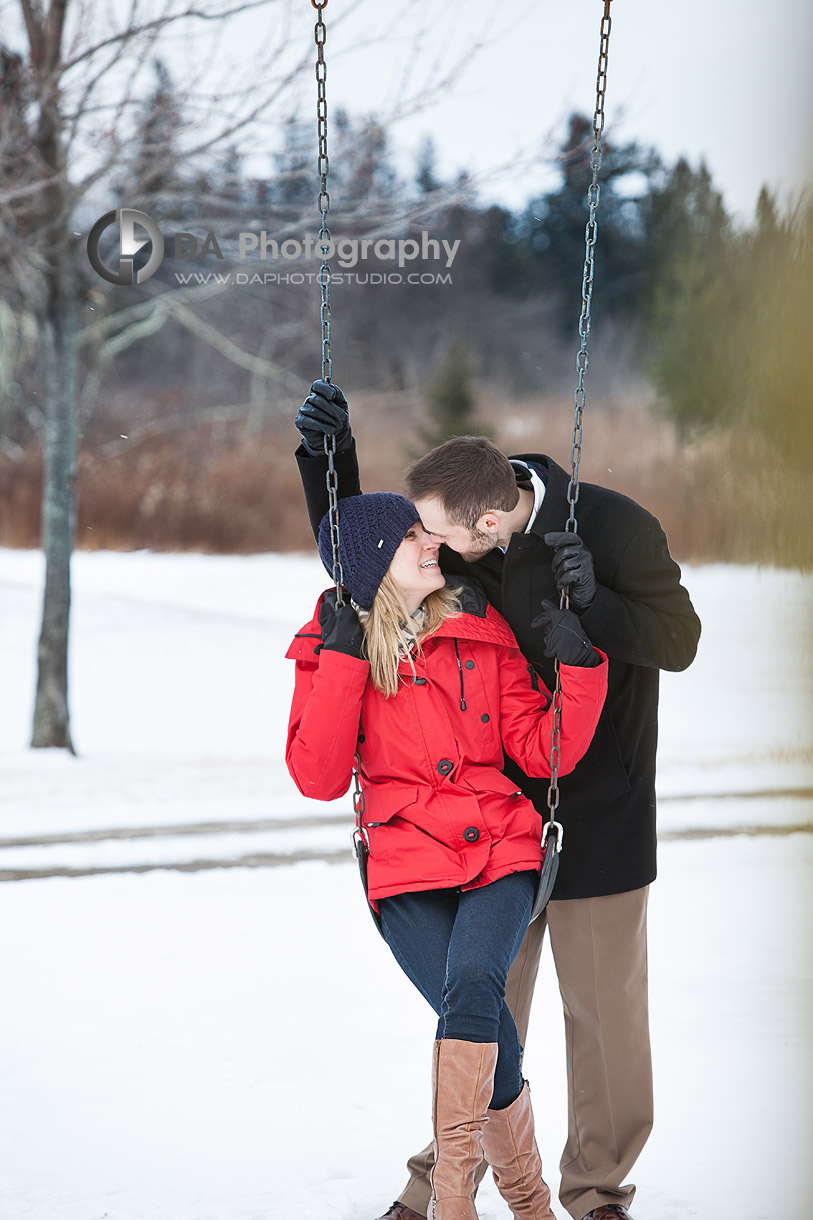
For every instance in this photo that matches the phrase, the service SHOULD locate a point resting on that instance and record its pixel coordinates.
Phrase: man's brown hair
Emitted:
(469, 475)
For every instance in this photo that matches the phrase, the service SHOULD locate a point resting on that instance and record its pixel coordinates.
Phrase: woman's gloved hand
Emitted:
(324, 413)
(564, 637)
(340, 627)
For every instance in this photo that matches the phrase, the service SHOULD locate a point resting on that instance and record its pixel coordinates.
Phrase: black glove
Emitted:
(572, 568)
(340, 627)
(324, 413)
(564, 637)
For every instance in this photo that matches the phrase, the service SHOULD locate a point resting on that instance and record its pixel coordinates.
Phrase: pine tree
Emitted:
(151, 181)
(451, 404)
(690, 304)
(425, 177)
(552, 228)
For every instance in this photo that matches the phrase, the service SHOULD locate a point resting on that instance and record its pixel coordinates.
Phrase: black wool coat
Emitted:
(641, 617)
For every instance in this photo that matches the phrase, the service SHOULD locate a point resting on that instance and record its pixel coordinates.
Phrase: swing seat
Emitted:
(552, 839)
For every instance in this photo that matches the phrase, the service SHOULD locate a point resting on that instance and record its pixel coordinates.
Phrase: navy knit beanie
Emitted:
(371, 528)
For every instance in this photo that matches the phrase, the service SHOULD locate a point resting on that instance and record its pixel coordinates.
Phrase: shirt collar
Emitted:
(538, 488)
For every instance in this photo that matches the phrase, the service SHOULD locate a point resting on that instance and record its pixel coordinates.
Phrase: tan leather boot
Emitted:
(509, 1146)
(462, 1084)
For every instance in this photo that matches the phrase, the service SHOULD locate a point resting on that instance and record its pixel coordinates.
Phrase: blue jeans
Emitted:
(457, 948)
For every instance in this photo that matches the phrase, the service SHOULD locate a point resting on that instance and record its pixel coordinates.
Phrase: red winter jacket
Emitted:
(437, 807)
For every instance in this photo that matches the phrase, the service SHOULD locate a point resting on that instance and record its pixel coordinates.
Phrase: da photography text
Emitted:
(347, 252)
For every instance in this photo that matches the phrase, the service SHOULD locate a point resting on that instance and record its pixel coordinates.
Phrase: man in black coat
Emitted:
(502, 520)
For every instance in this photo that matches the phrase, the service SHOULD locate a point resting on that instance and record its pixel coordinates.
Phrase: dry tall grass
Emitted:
(219, 487)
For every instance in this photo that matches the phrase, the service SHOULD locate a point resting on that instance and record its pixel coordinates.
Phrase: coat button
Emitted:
(485, 717)
(419, 681)
(445, 766)
(471, 834)
(470, 665)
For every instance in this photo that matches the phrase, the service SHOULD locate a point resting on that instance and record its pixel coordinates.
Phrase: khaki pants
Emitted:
(600, 954)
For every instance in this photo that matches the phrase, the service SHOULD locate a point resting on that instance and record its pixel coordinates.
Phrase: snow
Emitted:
(235, 1042)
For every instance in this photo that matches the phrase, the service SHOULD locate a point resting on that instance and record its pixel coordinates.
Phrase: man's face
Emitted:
(469, 544)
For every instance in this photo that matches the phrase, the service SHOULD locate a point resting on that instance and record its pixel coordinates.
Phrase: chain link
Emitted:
(332, 481)
(361, 838)
(323, 204)
(582, 360)
(590, 235)
(323, 170)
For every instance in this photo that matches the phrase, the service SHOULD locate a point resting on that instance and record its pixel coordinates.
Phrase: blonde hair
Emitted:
(390, 633)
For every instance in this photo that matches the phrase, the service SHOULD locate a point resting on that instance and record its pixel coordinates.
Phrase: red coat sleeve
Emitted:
(526, 714)
(325, 712)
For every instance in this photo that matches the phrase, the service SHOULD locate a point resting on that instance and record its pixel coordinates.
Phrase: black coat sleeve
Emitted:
(313, 472)
(641, 613)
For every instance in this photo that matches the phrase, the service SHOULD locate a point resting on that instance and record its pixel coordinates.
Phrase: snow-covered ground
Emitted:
(201, 1042)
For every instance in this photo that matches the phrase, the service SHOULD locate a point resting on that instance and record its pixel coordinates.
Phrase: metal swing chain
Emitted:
(332, 480)
(590, 234)
(323, 170)
(361, 840)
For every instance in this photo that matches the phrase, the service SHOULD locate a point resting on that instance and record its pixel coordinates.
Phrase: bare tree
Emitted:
(73, 88)
(67, 100)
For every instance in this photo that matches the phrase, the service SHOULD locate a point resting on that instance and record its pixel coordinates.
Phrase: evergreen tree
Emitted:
(508, 262)
(231, 189)
(151, 181)
(293, 185)
(425, 176)
(686, 222)
(552, 228)
(373, 176)
(731, 314)
(776, 320)
(451, 404)
(689, 305)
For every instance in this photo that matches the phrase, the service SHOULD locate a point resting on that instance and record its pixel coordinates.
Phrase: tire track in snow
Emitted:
(246, 826)
(339, 856)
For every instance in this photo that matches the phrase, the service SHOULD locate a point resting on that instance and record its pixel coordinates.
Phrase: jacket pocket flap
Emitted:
(383, 801)
(487, 779)
(302, 647)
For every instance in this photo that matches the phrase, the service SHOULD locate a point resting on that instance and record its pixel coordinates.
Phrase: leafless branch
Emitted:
(159, 24)
(101, 330)
(255, 365)
(147, 318)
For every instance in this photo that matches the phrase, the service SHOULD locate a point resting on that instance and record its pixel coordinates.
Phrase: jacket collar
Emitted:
(472, 594)
(478, 621)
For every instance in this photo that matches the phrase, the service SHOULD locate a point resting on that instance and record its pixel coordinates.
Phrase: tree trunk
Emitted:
(51, 715)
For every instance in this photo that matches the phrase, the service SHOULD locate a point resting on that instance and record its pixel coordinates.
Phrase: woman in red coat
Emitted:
(427, 683)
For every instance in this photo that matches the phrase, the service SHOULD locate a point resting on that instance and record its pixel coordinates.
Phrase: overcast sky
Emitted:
(728, 82)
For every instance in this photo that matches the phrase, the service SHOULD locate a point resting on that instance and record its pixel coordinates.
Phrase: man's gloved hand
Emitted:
(340, 627)
(564, 637)
(324, 413)
(572, 568)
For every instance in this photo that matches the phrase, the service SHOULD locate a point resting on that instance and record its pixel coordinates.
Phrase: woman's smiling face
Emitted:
(414, 567)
